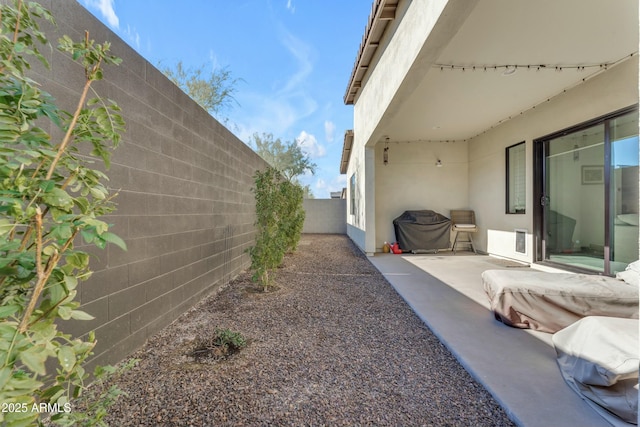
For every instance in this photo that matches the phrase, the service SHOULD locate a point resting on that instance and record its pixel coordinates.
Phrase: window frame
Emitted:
(521, 168)
(352, 194)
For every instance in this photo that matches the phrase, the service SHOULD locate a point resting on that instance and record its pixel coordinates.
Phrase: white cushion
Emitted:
(629, 276)
(634, 266)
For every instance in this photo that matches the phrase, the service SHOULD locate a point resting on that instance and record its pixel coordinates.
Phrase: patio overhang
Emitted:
(505, 58)
(346, 151)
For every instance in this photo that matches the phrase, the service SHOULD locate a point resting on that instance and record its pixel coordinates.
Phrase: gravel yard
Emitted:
(333, 345)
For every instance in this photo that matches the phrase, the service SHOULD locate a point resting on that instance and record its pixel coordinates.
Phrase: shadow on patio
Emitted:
(517, 366)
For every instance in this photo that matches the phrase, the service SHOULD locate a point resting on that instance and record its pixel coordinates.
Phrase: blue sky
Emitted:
(294, 58)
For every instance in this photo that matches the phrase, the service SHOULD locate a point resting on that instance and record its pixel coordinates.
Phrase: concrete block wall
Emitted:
(325, 216)
(185, 208)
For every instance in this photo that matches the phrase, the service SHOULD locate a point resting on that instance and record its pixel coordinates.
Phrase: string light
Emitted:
(513, 67)
(537, 67)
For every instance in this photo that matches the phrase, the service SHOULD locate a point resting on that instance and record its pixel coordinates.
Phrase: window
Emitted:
(352, 194)
(516, 179)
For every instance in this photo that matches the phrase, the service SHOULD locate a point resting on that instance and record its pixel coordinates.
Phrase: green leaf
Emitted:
(98, 193)
(57, 293)
(34, 358)
(79, 260)
(8, 310)
(62, 232)
(58, 198)
(116, 240)
(64, 312)
(47, 185)
(67, 358)
(21, 419)
(44, 331)
(89, 236)
(81, 315)
(71, 282)
(5, 374)
(5, 226)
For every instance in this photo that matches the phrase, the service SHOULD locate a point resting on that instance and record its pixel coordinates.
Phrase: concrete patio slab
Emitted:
(518, 367)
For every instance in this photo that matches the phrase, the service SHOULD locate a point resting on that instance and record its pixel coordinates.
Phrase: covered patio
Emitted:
(517, 366)
(444, 94)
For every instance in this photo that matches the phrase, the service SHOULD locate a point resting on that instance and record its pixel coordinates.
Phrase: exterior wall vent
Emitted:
(521, 241)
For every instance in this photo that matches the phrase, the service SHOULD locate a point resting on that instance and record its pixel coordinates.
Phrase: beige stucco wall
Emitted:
(615, 89)
(395, 56)
(412, 181)
(393, 60)
(473, 172)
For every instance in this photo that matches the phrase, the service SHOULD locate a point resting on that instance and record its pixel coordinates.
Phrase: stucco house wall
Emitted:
(487, 154)
(473, 172)
(412, 181)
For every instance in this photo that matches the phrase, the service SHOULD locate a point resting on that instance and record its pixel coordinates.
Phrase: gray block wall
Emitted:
(325, 216)
(185, 208)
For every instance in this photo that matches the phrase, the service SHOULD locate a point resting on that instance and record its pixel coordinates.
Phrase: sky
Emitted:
(293, 59)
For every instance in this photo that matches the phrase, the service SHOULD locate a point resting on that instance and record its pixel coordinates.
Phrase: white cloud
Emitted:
(279, 111)
(324, 188)
(133, 36)
(329, 130)
(302, 53)
(290, 6)
(310, 146)
(105, 7)
(269, 113)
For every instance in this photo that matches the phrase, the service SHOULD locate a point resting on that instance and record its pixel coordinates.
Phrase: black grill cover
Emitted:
(422, 230)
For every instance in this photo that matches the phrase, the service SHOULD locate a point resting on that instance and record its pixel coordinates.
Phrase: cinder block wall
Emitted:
(185, 208)
(325, 216)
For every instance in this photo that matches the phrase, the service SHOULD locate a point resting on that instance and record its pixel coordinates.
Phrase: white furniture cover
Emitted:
(598, 358)
(551, 301)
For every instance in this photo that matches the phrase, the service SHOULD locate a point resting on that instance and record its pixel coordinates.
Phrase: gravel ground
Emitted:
(333, 345)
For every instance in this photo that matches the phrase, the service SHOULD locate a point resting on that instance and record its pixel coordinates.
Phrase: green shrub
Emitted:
(279, 221)
(49, 199)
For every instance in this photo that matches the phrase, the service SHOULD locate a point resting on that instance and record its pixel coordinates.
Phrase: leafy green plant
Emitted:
(223, 343)
(292, 214)
(269, 249)
(279, 221)
(49, 199)
(229, 339)
(93, 405)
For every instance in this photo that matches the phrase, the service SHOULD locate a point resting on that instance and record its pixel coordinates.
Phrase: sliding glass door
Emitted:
(588, 188)
(624, 191)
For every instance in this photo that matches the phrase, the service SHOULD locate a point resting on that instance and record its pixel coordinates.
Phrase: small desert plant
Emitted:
(222, 344)
(229, 339)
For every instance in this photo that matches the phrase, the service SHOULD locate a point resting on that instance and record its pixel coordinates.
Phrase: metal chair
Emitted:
(463, 221)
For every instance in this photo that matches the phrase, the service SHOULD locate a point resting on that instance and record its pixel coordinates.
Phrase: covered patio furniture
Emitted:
(598, 358)
(463, 222)
(422, 230)
(549, 302)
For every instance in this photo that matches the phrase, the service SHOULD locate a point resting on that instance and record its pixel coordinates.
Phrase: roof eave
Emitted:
(346, 151)
(382, 13)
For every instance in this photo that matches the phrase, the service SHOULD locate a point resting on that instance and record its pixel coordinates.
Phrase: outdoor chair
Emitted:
(463, 222)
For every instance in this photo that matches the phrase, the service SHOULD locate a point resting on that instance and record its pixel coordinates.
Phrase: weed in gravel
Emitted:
(221, 345)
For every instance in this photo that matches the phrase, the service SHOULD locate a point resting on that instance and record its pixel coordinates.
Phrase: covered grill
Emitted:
(422, 230)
